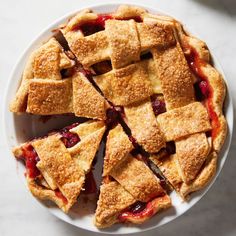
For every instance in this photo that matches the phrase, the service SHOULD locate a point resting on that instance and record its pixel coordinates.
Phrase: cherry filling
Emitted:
(204, 91)
(137, 207)
(112, 117)
(59, 194)
(30, 157)
(90, 184)
(93, 26)
(66, 73)
(102, 67)
(158, 104)
(138, 210)
(69, 139)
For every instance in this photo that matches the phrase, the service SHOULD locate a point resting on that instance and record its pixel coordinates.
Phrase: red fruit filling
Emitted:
(204, 91)
(93, 26)
(158, 105)
(59, 194)
(30, 157)
(137, 210)
(68, 138)
(170, 147)
(102, 67)
(90, 185)
(112, 117)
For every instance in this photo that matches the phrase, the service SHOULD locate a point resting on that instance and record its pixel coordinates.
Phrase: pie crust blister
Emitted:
(149, 91)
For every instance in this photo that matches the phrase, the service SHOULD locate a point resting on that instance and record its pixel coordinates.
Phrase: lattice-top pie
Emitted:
(149, 91)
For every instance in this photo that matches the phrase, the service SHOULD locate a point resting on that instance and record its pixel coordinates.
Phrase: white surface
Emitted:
(215, 214)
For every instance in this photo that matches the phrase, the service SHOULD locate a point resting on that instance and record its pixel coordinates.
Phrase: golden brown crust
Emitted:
(154, 34)
(57, 162)
(125, 86)
(89, 50)
(47, 61)
(113, 199)
(137, 179)
(49, 97)
(84, 152)
(87, 101)
(47, 194)
(19, 102)
(204, 177)
(87, 128)
(184, 121)
(118, 147)
(156, 205)
(215, 80)
(218, 86)
(191, 154)
(144, 127)
(128, 12)
(174, 74)
(151, 70)
(123, 41)
(168, 167)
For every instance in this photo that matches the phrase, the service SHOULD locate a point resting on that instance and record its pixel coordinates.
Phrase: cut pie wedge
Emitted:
(130, 192)
(56, 165)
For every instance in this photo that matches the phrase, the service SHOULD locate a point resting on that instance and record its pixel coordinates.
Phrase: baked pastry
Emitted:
(152, 85)
(56, 165)
(130, 191)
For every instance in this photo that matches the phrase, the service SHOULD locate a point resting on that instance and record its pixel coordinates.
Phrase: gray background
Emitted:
(21, 21)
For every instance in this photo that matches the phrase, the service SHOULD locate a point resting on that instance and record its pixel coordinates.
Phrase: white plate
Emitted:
(18, 129)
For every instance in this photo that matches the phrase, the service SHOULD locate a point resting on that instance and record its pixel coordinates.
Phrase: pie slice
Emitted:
(46, 62)
(56, 165)
(53, 83)
(130, 192)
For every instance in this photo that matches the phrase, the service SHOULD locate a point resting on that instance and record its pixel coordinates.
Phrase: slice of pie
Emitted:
(53, 83)
(56, 165)
(130, 191)
(151, 85)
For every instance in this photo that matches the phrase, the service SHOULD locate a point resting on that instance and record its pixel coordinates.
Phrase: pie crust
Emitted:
(150, 92)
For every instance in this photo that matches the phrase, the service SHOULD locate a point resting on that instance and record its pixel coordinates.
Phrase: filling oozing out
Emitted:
(158, 104)
(114, 116)
(138, 210)
(30, 157)
(93, 26)
(102, 67)
(68, 138)
(203, 89)
(59, 194)
(98, 24)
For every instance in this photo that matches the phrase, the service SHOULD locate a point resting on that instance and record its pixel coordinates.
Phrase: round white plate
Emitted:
(19, 128)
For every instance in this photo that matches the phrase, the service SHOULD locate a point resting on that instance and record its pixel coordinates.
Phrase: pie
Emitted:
(148, 90)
